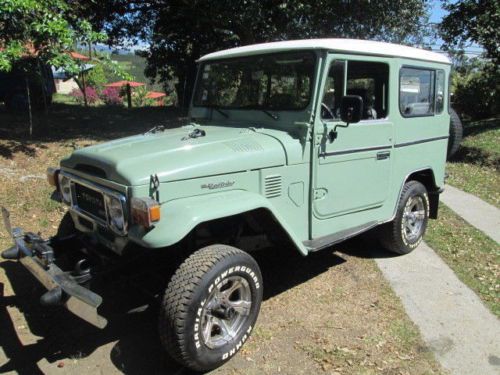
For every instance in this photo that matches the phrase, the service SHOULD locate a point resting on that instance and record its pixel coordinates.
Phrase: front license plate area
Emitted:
(90, 201)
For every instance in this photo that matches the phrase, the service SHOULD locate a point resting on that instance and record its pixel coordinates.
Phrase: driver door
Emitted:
(353, 170)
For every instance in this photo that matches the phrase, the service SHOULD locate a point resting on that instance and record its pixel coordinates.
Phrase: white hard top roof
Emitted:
(364, 47)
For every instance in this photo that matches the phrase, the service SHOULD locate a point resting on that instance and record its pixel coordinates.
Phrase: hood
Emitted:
(173, 155)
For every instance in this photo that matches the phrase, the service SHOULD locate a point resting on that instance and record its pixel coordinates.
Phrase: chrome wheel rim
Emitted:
(226, 311)
(413, 218)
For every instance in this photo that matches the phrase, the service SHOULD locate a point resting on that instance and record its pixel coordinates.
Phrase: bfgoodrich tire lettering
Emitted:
(405, 232)
(210, 307)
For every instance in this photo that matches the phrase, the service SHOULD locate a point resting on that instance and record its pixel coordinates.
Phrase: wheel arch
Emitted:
(180, 217)
(426, 177)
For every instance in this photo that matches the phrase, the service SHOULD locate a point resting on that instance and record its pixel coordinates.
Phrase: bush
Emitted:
(140, 99)
(476, 91)
(96, 77)
(111, 96)
(92, 96)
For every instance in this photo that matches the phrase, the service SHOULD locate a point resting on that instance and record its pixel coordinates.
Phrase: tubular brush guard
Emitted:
(37, 256)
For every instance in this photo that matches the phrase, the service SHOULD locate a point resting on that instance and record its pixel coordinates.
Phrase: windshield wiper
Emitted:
(272, 115)
(221, 112)
(157, 128)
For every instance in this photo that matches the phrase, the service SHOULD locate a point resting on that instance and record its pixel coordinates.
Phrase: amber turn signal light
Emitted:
(145, 211)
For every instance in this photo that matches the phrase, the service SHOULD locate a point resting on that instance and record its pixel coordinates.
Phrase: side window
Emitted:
(334, 90)
(440, 85)
(416, 92)
(370, 81)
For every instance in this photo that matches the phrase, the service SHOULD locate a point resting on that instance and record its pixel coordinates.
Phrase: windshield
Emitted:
(275, 81)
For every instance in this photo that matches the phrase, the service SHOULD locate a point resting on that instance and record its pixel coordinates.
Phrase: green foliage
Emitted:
(96, 77)
(105, 70)
(28, 26)
(140, 99)
(179, 32)
(476, 21)
(134, 65)
(46, 28)
(476, 88)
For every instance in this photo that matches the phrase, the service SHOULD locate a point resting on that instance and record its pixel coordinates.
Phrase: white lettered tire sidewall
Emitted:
(198, 356)
(416, 190)
(241, 268)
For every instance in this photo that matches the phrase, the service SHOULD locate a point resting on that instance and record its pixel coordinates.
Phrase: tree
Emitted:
(476, 82)
(179, 31)
(35, 34)
(473, 21)
(44, 29)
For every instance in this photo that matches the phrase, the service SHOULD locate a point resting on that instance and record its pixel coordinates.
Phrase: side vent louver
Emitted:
(272, 186)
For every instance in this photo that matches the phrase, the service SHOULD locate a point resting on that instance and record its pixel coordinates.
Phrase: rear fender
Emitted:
(181, 216)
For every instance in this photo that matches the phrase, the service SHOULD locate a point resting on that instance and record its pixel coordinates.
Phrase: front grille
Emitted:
(90, 201)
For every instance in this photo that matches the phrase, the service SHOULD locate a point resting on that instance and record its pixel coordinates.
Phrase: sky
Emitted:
(436, 15)
(437, 12)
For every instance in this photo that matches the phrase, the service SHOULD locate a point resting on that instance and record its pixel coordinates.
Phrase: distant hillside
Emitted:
(135, 65)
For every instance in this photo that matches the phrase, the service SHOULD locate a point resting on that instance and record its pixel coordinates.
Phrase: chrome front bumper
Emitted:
(37, 256)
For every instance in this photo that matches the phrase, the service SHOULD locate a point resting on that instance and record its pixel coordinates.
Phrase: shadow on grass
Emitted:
(476, 156)
(133, 333)
(478, 127)
(67, 122)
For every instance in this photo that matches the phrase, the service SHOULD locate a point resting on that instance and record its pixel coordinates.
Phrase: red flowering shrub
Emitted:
(111, 96)
(92, 96)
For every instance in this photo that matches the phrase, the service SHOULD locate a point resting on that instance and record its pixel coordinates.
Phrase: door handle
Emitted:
(383, 155)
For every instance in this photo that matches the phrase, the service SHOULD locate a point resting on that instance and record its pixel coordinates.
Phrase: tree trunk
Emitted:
(44, 87)
(29, 106)
(84, 89)
(185, 85)
(129, 96)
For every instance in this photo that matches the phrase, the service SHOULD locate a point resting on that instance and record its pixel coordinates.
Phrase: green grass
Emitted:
(64, 99)
(481, 181)
(472, 255)
(405, 332)
(475, 168)
(483, 135)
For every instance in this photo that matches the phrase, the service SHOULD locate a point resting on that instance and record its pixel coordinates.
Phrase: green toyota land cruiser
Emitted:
(309, 141)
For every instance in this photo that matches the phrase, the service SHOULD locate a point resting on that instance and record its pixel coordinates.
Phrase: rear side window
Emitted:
(417, 92)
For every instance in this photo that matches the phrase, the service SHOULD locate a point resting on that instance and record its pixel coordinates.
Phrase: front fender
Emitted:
(180, 216)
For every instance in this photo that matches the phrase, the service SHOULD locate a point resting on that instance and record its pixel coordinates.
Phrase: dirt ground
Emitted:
(331, 312)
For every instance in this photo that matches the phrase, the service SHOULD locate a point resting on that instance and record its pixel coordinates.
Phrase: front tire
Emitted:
(210, 307)
(406, 231)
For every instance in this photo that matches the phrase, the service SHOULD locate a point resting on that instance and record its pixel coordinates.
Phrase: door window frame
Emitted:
(346, 59)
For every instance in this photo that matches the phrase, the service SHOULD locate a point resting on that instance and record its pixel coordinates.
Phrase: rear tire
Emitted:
(210, 307)
(456, 134)
(405, 232)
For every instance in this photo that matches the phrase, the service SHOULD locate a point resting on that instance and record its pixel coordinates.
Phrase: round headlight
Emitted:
(65, 188)
(115, 212)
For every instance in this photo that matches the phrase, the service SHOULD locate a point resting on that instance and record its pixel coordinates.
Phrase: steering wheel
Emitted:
(325, 107)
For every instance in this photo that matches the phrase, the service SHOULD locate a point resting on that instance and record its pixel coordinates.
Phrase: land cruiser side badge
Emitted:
(219, 185)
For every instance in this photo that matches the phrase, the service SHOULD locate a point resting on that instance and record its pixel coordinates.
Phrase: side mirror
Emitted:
(351, 109)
